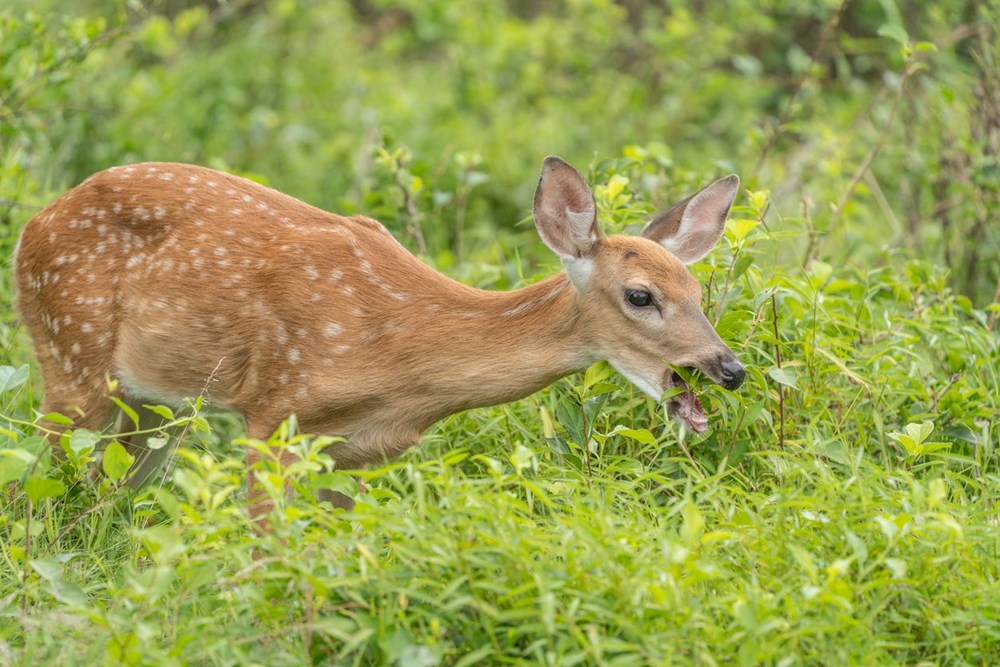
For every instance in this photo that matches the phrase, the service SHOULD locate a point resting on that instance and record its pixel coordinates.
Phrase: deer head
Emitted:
(637, 301)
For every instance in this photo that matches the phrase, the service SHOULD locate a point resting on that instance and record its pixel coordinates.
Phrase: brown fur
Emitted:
(166, 276)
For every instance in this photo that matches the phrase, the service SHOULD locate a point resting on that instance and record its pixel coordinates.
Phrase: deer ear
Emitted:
(692, 226)
(565, 213)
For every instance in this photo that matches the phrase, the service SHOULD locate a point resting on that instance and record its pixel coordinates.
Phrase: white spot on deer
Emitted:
(117, 208)
(336, 275)
(212, 184)
(394, 294)
(236, 211)
(283, 378)
(76, 349)
(103, 339)
(159, 212)
(281, 335)
(67, 366)
(242, 293)
(142, 213)
(247, 198)
(198, 263)
(293, 355)
(316, 297)
(167, 176)
(311, 272)
(302, 333)
(333, 329)
(67, 319)
(347, 290)
(341, 349)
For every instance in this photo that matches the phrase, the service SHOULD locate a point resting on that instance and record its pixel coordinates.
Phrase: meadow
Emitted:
(843, 506)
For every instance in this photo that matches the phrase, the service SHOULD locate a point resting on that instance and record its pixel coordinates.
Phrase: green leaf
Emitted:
(337, 481)
(742, 227)
(56, 418)
(40, 488)
(637, 434)
(12, 378)
(741, 265)
(162, 411)
(155, 442)
(785, 376)
(117, 461)
(13, 465)
(64, 591)
(895, 32)
(919, 432)
(83, 442)
(127, 409)
(694, 524)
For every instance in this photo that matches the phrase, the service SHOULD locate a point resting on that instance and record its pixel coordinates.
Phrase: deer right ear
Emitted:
(565, 213)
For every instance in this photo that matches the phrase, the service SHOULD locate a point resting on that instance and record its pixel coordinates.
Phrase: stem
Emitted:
(781, 388)
(411, 210)
(27, 558)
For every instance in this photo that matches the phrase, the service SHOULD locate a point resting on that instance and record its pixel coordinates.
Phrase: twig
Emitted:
(873, 153)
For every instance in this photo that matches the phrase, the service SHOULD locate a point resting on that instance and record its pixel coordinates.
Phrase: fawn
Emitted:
(164, 276)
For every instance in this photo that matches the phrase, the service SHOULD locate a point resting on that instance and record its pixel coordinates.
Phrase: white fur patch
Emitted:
(579, 271)
(650, 387)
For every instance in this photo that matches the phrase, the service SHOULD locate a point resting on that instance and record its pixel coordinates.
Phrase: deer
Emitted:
(167, 279)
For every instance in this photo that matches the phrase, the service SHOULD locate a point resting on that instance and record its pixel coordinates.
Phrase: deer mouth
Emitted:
(684, 405)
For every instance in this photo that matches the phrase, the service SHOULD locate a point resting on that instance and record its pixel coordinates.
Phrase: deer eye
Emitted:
(639, 298)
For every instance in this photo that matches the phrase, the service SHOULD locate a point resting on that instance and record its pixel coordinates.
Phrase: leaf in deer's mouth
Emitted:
(683, 403)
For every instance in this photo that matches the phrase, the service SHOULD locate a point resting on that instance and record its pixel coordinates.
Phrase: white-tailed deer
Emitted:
(166, 275)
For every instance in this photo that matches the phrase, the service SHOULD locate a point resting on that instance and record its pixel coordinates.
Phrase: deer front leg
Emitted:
(361, 449)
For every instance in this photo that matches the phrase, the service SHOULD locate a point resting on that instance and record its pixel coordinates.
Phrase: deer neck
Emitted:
(507, 345)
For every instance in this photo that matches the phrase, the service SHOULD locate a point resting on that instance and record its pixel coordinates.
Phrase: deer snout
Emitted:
(732, 374)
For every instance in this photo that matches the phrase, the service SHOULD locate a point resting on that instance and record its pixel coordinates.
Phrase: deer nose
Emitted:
(733, 374)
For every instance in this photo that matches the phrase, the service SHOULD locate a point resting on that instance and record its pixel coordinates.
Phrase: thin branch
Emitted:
(873, 153)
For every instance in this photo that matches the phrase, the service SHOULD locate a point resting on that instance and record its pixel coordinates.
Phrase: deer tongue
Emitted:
(685, 406)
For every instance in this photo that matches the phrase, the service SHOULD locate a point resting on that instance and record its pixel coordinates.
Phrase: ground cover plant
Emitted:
(842, 507)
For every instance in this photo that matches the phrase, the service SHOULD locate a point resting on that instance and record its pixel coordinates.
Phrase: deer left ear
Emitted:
(692, 227)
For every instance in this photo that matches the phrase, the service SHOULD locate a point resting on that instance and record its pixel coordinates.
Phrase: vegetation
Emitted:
(842, 508)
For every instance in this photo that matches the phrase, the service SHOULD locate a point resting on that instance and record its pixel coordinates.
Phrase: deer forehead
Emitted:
(638, 261)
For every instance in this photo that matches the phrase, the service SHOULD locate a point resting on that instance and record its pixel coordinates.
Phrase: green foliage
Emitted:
(841, 509)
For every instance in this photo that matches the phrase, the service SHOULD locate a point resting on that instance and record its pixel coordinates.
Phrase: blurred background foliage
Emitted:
(873, 124)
